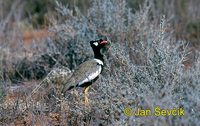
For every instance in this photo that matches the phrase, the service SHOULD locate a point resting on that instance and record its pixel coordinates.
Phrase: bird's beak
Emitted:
(104, 42)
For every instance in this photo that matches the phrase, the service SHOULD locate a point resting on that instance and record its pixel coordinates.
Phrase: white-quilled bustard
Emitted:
(87, 72)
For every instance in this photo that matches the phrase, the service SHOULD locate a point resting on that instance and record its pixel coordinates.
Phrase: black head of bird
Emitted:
(97, 46)
(98, 43)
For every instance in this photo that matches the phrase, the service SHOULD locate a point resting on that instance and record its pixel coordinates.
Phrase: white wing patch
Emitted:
(99, 61)
(91, 76)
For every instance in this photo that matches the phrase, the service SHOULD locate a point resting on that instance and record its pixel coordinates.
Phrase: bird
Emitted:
(87, 72)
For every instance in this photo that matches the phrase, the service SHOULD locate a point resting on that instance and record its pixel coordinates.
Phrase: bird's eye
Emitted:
(95, 43)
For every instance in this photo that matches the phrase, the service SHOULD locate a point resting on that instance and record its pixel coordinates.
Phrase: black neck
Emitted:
(98, 55)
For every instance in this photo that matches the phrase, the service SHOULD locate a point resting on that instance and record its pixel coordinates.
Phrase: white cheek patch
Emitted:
(91, 76)
(95, 43)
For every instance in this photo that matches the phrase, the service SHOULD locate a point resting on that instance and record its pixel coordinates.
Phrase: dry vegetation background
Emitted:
(153, 60)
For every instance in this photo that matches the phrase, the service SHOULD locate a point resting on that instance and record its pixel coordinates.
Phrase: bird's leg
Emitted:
(86, 95)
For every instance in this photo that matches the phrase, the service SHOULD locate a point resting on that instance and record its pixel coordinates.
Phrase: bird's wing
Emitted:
(85, 72)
